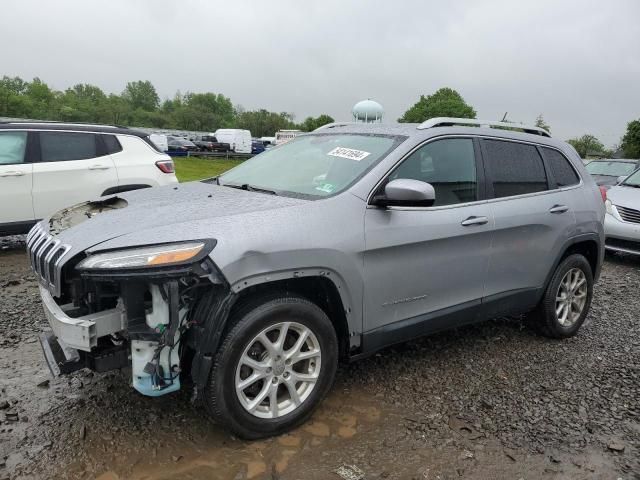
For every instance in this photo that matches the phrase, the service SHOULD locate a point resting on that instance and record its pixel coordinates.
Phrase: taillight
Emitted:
(603, 192)
(165, 166)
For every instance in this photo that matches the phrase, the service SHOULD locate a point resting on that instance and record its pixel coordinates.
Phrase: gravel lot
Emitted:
(488, 401)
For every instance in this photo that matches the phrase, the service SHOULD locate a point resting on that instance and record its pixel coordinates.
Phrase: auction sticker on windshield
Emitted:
(349, 153)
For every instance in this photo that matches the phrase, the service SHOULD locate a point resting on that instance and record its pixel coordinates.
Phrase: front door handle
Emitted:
(474, 221)
(12, 174)
(98, 167)
(558, 209)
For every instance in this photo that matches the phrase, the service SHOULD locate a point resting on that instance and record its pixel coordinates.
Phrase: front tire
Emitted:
(567, 299)
(274, 367)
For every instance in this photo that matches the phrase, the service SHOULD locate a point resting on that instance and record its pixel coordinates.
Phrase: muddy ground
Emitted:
(488, 401)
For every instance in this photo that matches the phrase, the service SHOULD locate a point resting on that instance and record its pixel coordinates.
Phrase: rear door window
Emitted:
(12, 147)
(61, 146)
(514, 168)
(561, 170)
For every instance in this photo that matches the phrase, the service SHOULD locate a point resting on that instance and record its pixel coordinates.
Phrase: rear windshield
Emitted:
(611, 169)
(313, 166)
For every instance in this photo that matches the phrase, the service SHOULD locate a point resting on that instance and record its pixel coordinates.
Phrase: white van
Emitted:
(239, 140)
(283, 136)
(160, 141)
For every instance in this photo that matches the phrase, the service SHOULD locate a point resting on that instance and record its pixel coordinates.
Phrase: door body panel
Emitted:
(15, 193)
(419, 261)
(16, 177)
(527, 239)
(61, 184)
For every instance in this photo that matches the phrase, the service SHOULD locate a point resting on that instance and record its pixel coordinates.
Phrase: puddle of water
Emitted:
(336, 421)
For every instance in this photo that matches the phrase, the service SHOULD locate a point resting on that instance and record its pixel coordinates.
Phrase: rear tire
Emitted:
(274, 367)
(567, 299)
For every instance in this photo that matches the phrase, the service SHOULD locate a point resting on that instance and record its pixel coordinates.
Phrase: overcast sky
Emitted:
(577, 62)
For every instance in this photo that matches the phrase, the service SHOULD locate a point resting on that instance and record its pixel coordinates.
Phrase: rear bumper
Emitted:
(621, 236)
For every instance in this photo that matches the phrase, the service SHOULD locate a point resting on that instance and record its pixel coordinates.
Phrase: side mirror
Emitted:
(406, 192)
(621, 179)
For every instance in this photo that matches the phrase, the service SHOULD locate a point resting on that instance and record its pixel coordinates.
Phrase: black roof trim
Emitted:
(76, 127)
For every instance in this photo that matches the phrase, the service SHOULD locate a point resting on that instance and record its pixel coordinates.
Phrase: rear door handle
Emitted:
(98, 167)
(474, 221)
(558, 209)
(12, 174)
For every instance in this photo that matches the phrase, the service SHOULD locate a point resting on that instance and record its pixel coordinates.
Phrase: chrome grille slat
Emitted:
(629, 214)
(46, 254)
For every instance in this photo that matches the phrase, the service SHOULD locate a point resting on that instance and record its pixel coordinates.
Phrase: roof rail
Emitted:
(56, 122)
(334, 125)
(449, 122)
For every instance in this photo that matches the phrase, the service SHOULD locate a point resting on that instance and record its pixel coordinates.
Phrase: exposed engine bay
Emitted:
(150, 321)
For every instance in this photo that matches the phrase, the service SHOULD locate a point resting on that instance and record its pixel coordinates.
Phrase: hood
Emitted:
(171, 208)
(628, 197)
(604, 179)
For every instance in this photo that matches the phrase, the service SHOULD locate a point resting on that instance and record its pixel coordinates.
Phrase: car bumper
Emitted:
(621, 236)
(80, 333)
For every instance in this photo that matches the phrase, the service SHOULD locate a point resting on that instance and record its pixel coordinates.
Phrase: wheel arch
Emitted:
(588, 245)
(323, 287)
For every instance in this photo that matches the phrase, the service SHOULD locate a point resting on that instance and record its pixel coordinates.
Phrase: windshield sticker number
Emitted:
(349, 153)
(326, 188)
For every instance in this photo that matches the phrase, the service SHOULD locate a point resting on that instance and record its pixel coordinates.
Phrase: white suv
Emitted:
(48, 166)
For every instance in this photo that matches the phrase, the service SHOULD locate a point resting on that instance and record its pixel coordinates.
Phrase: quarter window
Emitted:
(12, 147)
(515, 168)
(562, 171)
(60, 146)
(449, 165)
(111, 143)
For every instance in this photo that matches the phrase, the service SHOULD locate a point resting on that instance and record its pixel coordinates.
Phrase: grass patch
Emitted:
(197, 168)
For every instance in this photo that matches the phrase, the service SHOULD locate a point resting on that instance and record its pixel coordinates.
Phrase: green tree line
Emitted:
(140, 105)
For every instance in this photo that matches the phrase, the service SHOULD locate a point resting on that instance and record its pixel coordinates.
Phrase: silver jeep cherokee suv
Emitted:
(253, 285)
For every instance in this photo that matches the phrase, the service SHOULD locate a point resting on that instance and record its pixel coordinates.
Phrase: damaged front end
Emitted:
(71, 216)
(154, 308)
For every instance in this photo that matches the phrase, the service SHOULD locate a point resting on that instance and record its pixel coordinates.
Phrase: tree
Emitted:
(204, 112)
(263, 123)
(631, 140)
(540, 123)
(446, 102)
(141, 94)
(311, 123)
(587, 145)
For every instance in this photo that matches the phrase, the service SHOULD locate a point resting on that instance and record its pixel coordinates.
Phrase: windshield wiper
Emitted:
(249, 188)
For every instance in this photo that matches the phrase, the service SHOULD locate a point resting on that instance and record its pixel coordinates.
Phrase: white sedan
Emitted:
(622, 221)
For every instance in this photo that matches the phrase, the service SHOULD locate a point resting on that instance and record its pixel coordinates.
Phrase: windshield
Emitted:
(313, 165)
(633, 180)
(611, 169)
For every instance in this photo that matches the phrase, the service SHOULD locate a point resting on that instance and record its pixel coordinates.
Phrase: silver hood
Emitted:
(628, 197)
(157, 215)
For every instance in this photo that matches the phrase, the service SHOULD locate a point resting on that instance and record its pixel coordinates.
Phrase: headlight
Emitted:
(154, 256)
(609, 206)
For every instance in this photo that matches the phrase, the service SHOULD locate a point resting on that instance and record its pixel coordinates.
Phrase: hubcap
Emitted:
(571, 297)
(278, 370)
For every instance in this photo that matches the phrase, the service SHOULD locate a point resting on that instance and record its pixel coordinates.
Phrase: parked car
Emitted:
(622, 222)
(160, 141)
(606, 172)
(181, 145)
(240, 140)
(257, 147)
(47, 166)
(207, 143)
(256, 283)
